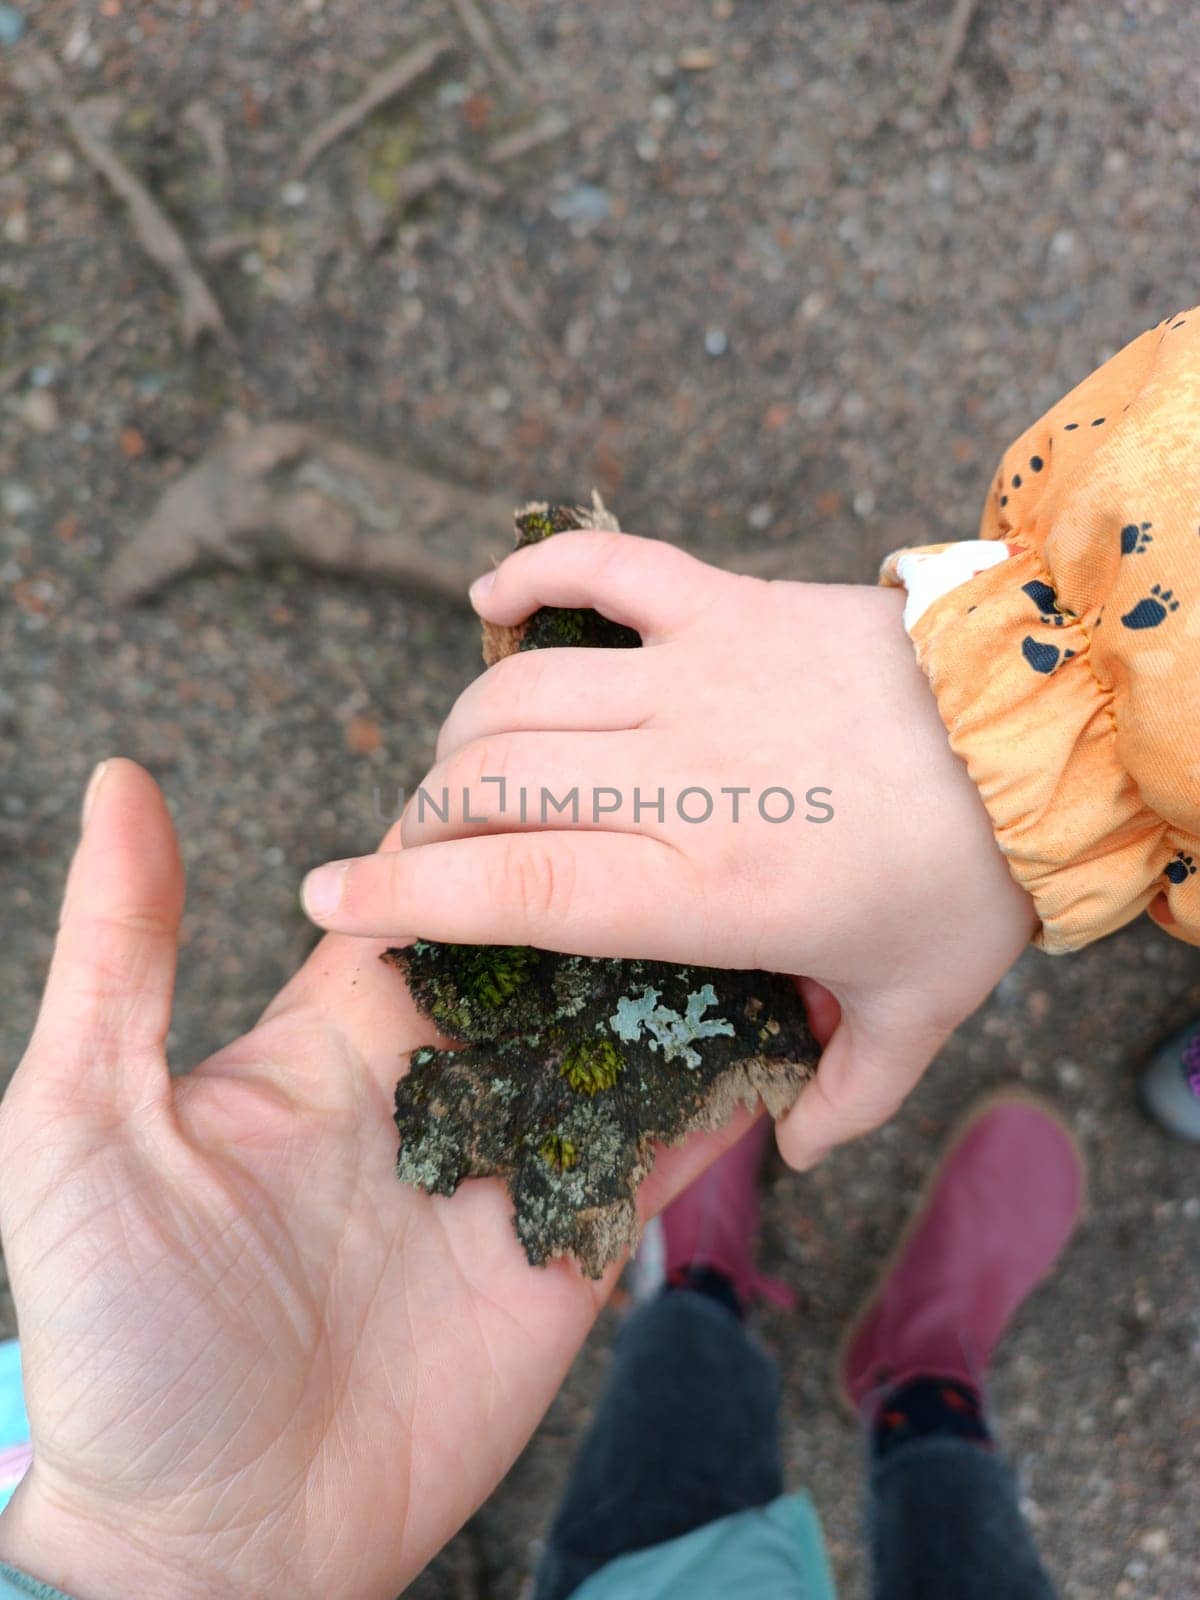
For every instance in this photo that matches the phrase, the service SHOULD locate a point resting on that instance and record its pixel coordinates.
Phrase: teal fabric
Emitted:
(774, 1552)
(14, 1424)
(16, 1585)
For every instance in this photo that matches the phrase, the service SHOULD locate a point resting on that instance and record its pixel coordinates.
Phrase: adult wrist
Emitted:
(86, 1558)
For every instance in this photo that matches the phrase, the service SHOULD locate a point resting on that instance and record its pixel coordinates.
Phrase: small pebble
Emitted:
(60, 166)
(16, 499)
(294, 194)
(39, 411)
(716, 341)
(12, 25)
(586, 202)
(698, 59)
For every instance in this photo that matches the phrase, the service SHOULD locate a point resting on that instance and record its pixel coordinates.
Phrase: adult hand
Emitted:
(255, 1362)
(894, 898)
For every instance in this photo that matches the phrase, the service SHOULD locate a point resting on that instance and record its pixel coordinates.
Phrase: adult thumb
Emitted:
(99, 1041)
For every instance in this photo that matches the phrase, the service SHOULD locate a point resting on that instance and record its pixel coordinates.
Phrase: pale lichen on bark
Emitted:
(573, 1069)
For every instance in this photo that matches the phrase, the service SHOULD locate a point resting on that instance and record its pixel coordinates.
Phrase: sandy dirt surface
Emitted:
(758, 295)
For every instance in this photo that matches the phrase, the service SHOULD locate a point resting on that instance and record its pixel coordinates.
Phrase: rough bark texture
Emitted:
(573, 1069)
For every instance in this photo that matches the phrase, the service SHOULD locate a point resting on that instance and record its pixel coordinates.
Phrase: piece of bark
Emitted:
(39, 78)
(573, 1069)
(287, 491)
(384, 86)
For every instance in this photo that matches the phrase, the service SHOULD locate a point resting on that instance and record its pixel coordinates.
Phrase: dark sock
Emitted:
(707, 1281)
(929, 1408)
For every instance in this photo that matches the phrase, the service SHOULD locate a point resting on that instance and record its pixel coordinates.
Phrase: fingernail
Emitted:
(321, 891)
(481, 588)
(89, 794)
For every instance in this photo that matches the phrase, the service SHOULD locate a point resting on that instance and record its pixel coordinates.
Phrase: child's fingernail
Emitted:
(481, 588)
(321, 891)
(89, 794)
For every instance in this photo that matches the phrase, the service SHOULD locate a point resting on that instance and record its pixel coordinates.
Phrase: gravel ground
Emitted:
(767, 299)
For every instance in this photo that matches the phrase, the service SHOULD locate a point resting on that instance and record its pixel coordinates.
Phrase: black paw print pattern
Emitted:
(1045, 599)
(1155, 608)
(1135, 538)
(1043, 657)
(1181, 869)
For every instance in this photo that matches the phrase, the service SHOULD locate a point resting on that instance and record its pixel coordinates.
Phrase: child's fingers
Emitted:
(599, 894)
(516, 781)
(651, 587)
(106, 1009)
(861, 1082)
(592, 690)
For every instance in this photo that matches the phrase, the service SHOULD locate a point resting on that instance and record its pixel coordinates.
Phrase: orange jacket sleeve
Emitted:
(1064, 645)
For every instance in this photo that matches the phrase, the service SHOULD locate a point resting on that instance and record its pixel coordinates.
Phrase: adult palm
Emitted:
(254, 1361)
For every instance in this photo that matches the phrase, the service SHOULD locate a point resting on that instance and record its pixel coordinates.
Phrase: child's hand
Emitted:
(899, 903)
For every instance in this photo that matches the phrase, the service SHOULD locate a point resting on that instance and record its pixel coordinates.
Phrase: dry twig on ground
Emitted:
(512, 146)
(420, 177)
(204, 122)
(385, 86)
(483, 37)
(40, 80)
(957, 29)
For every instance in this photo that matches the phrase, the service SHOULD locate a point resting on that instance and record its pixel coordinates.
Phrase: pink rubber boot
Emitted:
(995, 1217)
(714, 1224)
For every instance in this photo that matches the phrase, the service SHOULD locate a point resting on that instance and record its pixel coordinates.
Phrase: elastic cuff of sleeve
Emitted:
(18, 1585)
(1016, 690)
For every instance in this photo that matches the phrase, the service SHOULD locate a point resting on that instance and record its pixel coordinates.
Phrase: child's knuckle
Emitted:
(536, 879)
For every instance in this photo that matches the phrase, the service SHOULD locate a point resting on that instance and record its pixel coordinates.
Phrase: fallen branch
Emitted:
(280, 491)
(284, 491)
(383, 87)
(200, 314)
(483, 37)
